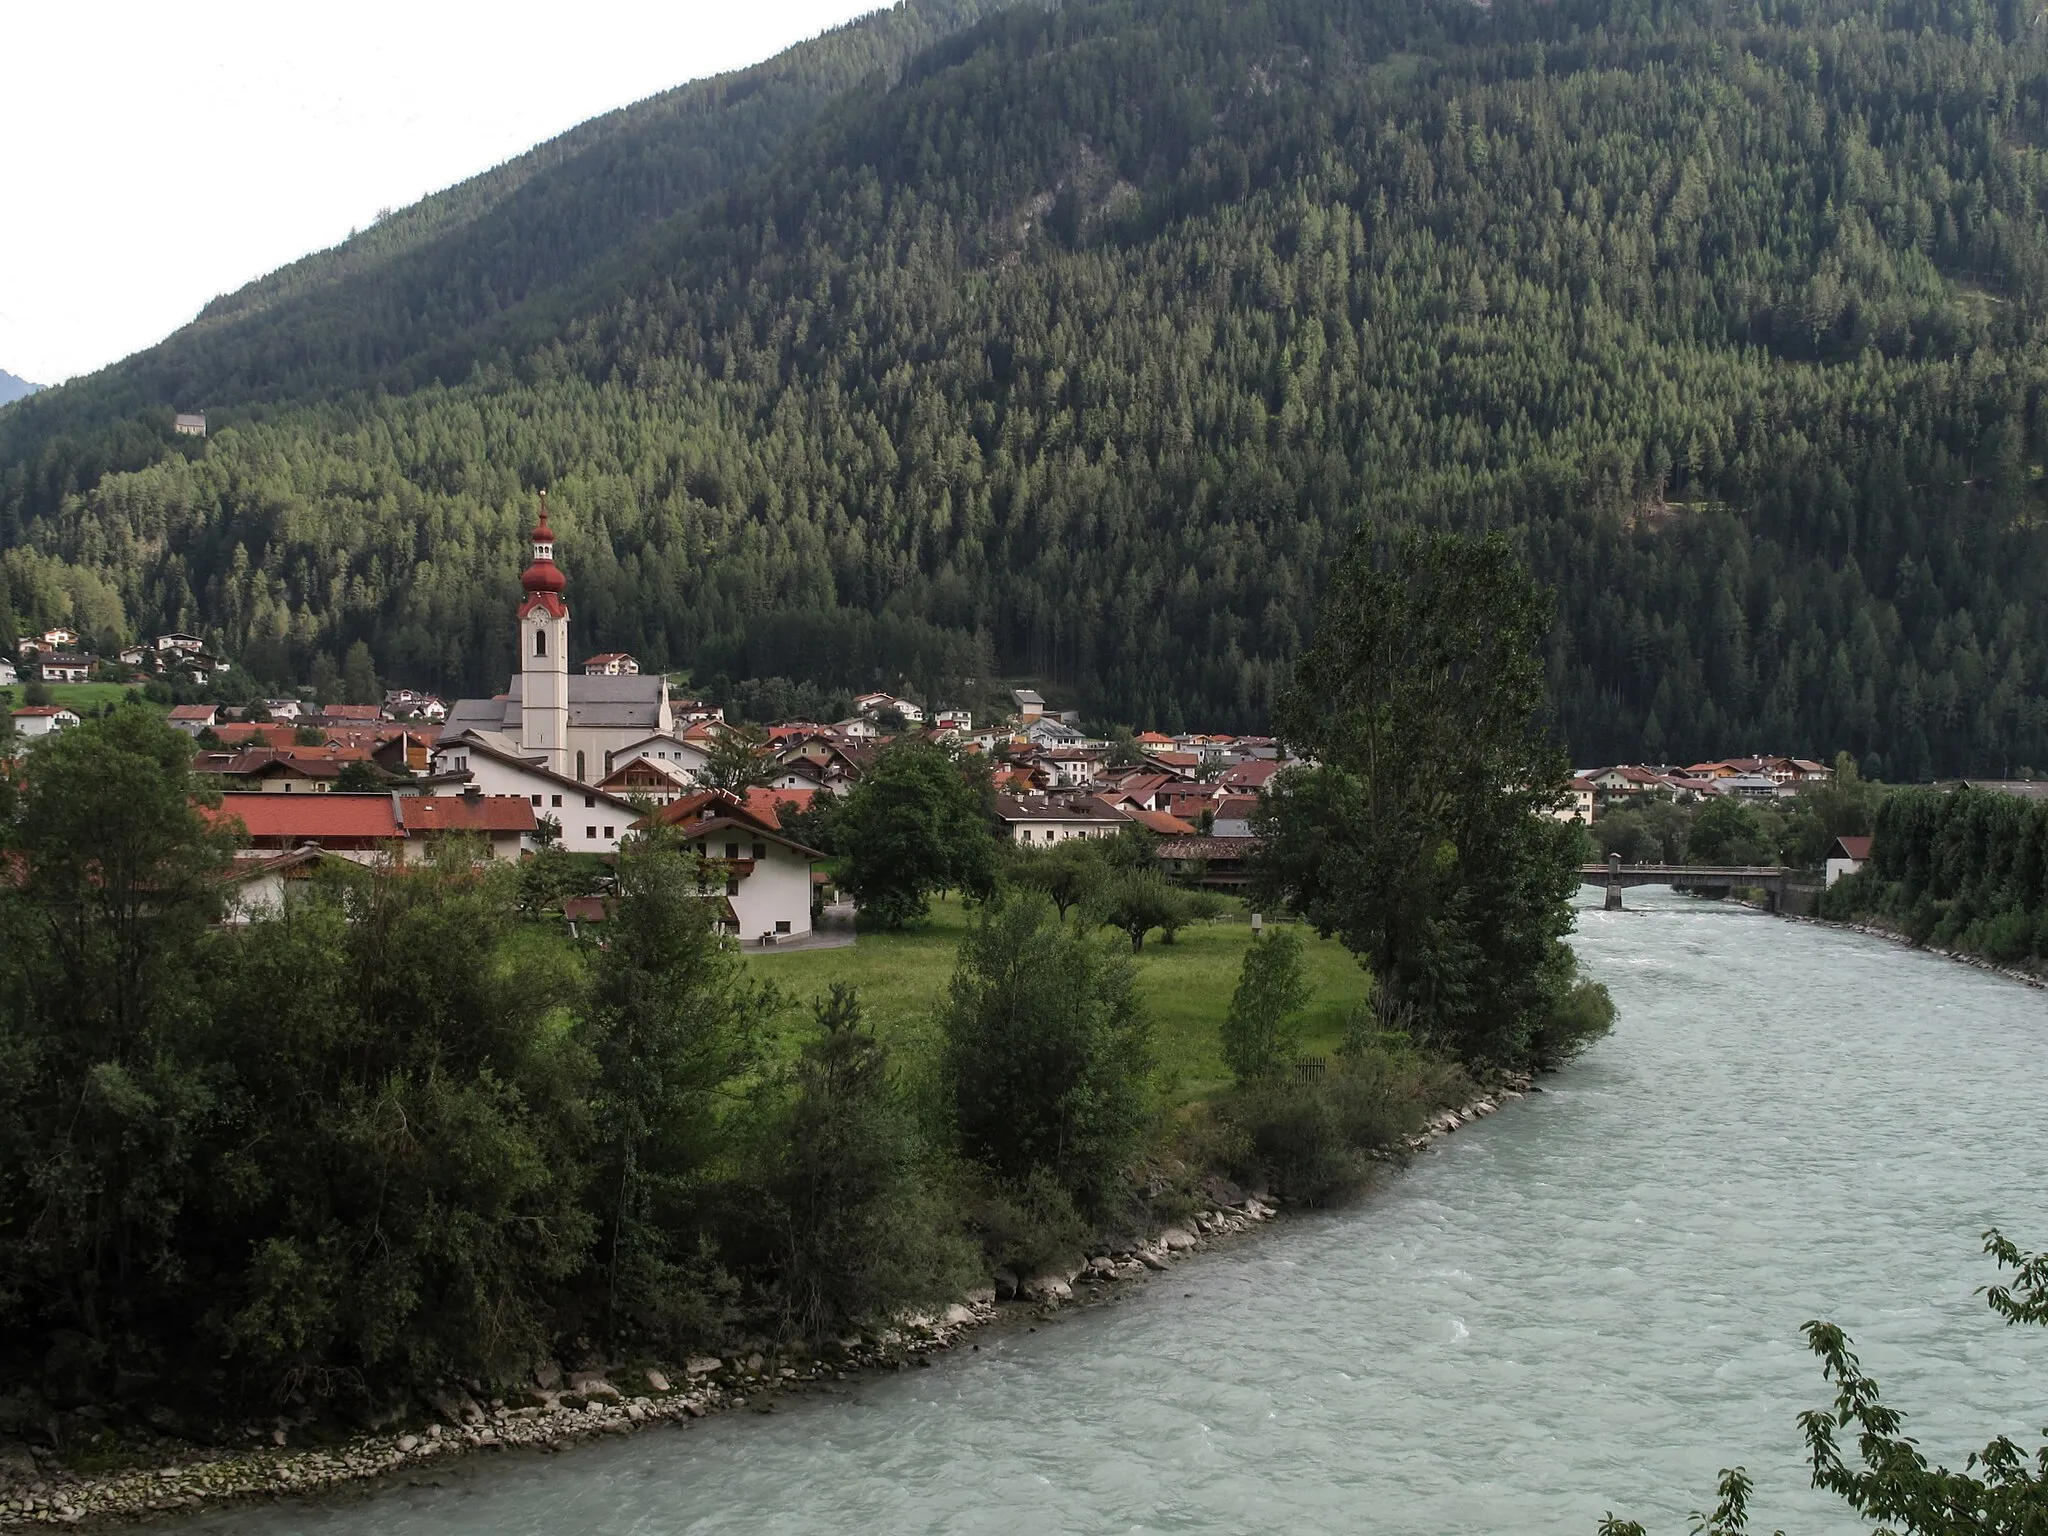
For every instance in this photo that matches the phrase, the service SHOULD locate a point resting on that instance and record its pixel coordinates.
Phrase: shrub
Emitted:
(1580, 1017)
(1262, 1030)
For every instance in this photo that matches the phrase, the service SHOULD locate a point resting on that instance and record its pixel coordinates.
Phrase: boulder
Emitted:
(958, 1316)
(1006, 1284)
(592, 1384)
(1151, 1258)
(1048, 1287)
(547, 1376)
(982, 1296)
(701, 1365)
(656, 1381)
(1176, 1239)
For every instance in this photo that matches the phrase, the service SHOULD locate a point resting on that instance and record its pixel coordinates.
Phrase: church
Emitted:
(556, 717)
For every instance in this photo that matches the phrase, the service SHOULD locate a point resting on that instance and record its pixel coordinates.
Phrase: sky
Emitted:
(156, 156)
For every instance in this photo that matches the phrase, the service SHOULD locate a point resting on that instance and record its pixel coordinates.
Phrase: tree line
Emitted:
(1078, 346)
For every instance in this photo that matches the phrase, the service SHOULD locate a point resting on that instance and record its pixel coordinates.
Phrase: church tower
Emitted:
(544, 653)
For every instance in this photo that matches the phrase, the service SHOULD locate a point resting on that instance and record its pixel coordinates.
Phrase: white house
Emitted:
(588, 819)
(41, 719)
(60, 639)
(194, 718)
(64, 667)
(610, 664)
(1848, 855)
(1038, 823)
(667, 749)
(764, 873)
(954, 720)
(8, 676)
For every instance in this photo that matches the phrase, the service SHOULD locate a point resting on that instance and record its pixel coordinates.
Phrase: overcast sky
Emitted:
(157, 155)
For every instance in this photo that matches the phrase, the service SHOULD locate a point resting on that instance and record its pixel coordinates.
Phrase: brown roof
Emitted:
(467, 813)
(1211, 848)
(1857, 848)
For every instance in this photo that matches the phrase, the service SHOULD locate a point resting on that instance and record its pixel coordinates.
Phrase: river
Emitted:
(1590, 1301)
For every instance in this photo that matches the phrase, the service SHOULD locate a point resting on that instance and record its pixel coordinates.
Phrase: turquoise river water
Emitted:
(1590, 1301)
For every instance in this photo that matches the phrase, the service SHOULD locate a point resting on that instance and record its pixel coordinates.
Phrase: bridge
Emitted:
(1771, 879)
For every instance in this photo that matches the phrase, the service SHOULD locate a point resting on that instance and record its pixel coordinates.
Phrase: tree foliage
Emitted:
(915, 824)
(1419, 833)
(1075, 341)
(1262, 1030)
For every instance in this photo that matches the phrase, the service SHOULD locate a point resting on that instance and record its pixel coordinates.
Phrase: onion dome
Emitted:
(543, 575)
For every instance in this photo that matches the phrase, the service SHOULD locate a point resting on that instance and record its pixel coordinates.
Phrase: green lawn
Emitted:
(1187, 985)
(74, 696)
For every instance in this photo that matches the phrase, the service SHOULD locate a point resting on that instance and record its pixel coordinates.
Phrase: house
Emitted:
(610, 664)
(837, 766)
(1578, 803)
(685, 756)
(1621, 782)
(869, 705)
(799, 777)
(60, 639)
(569, 722)
(405, 705)
(177, 640)
(1750, 786)
(586, 819)
(189, 423)
(1234, 816)
(1253, 774)
(858, 729)
(1040, 821)
(350, 714)
(259, 878)
(691, 711)
(379, 828)
(952, 720)
(283, 709)
(1845, 856)
(765, 874)
(63, 667)
(269, 771)
(1069, 767)
(1029, 705)
(134, 655)
(194, 718)
(8, 676)
(1045, 732)
(35, 720)
(505, 823)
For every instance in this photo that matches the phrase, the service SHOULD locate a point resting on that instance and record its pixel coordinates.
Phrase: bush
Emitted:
(1025, 1224)
(1580, 1017)
(1262, 1030)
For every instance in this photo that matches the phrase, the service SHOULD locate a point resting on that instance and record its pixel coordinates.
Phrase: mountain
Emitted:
(1074, 342)
(14, 388)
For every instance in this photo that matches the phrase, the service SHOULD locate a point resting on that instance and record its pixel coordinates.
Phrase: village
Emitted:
(579, 757)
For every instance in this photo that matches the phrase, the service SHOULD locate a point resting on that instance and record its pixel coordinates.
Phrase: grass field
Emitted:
(75, 696)
(1186, 986)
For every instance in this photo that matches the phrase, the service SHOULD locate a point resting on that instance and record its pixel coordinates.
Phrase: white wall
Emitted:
(1836, 868)
(576, 812)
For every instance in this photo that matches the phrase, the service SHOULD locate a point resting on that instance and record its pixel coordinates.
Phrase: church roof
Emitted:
(595, 703)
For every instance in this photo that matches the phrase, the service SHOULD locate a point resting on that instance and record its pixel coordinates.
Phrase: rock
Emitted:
(408, 1443)
(1006, 1284)
(592, 1384)
(1151, 1259)
(754, 1363)
(958, 1316)
(1176, 1239)
(453, 1404)
(547, 1376)
(701, 1365)
(656, 1382)
(1048, 1287)
(982, 1296)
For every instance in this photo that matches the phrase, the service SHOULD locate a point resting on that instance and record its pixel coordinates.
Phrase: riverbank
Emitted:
(564, 1409)
(1904, 941)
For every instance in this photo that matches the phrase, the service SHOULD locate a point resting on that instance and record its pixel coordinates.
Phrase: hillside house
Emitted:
(194, 718)
(189, 423)
(1234, 816)
(63, 667)
(60, 639)
(177, 640)
(648, 778)
(588, 819)
(1029, 705)
(1041, 821)
(610, 664)
(8, 676)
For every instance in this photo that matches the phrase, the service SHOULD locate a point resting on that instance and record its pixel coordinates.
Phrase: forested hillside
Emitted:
(1077, 346)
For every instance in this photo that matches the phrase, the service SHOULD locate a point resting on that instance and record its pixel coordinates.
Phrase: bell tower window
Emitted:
(540, 642)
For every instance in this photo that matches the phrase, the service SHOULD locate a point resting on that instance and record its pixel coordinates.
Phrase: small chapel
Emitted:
(566, 721)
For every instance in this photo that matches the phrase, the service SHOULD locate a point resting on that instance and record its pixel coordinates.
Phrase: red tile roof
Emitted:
(466, 813)
(310, 818)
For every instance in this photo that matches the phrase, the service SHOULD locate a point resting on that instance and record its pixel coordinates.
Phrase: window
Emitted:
(732, 850)
(782, 925)
(590, 802)
(760, 851)
(732, 887)
(590, 832)
(536, 800)
(555, 801)
(607, 831)
(540, 641)
(579, 768)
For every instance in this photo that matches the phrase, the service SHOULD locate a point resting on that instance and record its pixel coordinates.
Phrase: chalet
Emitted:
(648, 778)
(350, 714)
(1252, 775)
(1040, 821)
(1045, 732)
(194, 718)
(610, 664)
(60, 639)
(1750, 786)
(953, 720)
(403, 704)
(858, 729)
(189, 423)
(269, 771)
(871, 705)
(259, 878)
(1845, 856)
(63, 667)
(692, 711)
(1029, 705)
(687, 758)
(587, 819)
(1624, 781)
(765, 874)
(177, 640)
(283, 709)
(134, 655)
(1070, 767)
(838, 766)
(799, 777)
(35, 720)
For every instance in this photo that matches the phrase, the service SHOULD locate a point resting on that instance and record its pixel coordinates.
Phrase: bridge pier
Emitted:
(1613, 903)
